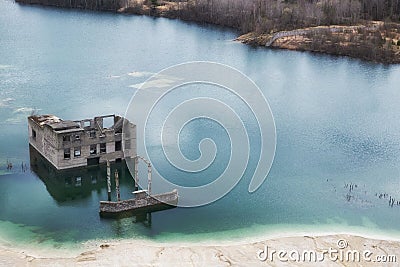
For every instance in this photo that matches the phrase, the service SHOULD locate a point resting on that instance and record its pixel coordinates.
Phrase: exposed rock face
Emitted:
(376, 42)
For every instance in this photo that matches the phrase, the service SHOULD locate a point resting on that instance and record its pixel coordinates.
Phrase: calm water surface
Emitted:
(337, 124)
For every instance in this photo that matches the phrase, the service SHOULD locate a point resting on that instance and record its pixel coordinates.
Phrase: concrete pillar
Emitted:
(136, 173)
(149, 178)
(117, 186)
(108, 180)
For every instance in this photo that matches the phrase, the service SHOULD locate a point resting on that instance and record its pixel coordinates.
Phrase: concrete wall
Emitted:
(38, 141)
(129, 140)
(85, 141)
(50, 144)
(48, 149)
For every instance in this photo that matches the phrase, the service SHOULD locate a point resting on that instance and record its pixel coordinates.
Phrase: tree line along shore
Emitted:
(365, 29)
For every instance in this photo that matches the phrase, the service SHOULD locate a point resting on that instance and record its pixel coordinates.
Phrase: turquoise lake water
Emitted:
(337, 122)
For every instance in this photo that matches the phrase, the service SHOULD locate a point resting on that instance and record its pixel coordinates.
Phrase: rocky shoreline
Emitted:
(370, 43)
(374, 41)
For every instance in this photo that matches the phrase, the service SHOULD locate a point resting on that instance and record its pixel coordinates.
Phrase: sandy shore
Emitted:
(331, 250)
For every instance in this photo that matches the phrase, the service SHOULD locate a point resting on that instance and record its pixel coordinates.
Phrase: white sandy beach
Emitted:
(344, 250)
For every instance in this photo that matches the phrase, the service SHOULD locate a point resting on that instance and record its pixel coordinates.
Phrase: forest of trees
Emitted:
(273, 15)
(251, 15)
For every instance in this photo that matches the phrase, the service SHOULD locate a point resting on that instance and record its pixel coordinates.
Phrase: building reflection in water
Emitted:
(68, 187)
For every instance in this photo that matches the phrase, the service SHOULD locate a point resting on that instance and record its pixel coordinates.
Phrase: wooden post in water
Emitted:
(108, 180)
(117, 186)
(136, 173)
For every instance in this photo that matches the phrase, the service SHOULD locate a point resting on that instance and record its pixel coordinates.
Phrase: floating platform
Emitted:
(140, 204)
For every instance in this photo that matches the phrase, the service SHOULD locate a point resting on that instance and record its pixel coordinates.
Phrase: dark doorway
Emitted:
(93, 161)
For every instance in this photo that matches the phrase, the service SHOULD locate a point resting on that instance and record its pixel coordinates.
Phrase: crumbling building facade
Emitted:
(69, 144)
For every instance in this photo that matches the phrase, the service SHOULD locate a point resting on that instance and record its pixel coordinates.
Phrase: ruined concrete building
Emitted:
(69, 144)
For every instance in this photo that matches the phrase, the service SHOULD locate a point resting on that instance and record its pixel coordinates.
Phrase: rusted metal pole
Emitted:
(108, 180)
(117, 185)
(149, 179)
(136, 173)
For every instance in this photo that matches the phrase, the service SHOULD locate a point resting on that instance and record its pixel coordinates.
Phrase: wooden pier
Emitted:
(143, 201)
